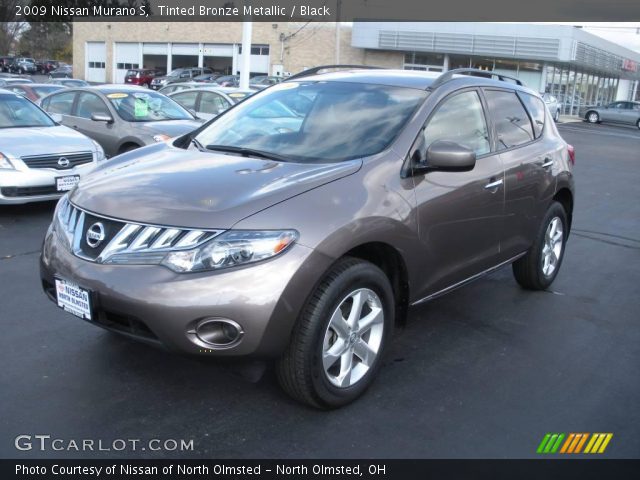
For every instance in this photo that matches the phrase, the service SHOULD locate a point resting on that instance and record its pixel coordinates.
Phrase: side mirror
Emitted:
(56, 117)
(100, 117)
(448, 156)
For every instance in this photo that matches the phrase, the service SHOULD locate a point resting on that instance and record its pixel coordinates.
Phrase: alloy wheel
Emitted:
(593, 117)
(353, 338)
(552, 248)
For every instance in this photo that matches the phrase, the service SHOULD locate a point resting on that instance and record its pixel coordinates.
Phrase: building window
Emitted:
(96, 65)
(431, 62)
(256, 49)
(126, 66)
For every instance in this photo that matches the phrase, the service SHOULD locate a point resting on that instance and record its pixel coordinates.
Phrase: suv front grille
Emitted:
(98, 239)
(59, 162)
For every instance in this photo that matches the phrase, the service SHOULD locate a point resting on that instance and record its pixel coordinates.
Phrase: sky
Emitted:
(626, 34)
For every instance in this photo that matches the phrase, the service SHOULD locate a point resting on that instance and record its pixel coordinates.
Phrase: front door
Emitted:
(459, 213)
(87, 105)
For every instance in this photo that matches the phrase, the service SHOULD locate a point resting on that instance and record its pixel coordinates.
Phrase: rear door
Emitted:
(87, 105)
(62, 104)
(519, 121)
(459, 213)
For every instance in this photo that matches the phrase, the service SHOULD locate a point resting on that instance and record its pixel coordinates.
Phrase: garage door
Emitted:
(96, 57)
(126, 57)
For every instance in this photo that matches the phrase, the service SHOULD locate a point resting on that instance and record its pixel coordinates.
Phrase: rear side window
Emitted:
(61, 103)
(513, 126)
(460, 119)
(186, 99)
(535, 107)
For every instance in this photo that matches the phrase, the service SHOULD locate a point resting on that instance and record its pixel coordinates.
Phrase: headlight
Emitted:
(99, 152)
(161, 138)
(230, 249)
(5, 163)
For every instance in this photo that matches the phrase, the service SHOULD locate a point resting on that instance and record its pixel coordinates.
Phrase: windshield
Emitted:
(16, 111)
(146, 106)
(46, 90)
(175, 73)
(315, 121)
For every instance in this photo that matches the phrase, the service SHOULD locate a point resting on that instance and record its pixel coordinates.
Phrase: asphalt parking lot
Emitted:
(484, 372)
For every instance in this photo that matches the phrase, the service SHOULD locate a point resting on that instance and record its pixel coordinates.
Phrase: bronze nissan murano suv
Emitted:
(301, 224)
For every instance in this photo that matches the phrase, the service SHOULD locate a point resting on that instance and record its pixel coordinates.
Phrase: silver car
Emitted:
(553, 104)
(616, 112)
(120, 118)
(209, 101)
(39, 159)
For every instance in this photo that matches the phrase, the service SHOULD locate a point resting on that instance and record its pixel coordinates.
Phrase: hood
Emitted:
(173, 128)
(164, 185)
(21, 142)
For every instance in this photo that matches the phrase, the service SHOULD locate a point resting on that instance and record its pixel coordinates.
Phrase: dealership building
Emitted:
(576, 66)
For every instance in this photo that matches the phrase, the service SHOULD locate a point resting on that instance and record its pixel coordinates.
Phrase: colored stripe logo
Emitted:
(574, 443)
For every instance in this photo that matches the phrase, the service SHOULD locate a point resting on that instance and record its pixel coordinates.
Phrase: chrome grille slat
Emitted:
(132, 239)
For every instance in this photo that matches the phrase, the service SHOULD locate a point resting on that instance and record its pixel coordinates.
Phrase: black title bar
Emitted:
(321, 10)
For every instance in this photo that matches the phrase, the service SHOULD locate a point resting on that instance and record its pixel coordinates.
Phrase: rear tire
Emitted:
(539, 267)
(338, 342)
(592, 117)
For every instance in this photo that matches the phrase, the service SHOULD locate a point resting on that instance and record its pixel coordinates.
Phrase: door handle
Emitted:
(548, 162)
(492, 185)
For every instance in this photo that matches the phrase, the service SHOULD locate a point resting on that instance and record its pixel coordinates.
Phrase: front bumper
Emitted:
(25, 185)
(153, 304)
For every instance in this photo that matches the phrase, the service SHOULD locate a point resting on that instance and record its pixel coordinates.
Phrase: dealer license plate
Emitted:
(66, 183)
(73, 299)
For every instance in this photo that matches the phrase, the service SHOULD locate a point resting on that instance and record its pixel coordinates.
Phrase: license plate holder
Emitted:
(66, 183)
(73, 298)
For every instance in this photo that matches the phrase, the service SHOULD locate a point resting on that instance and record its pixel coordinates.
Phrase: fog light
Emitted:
(219, 332)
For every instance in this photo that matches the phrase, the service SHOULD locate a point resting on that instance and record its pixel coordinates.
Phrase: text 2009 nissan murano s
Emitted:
(363, 193)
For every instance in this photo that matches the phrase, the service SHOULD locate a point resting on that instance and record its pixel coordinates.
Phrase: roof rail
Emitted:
(445, 77)
(314, 70)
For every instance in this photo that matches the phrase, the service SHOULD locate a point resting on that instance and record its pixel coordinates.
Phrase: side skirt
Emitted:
(462, 283)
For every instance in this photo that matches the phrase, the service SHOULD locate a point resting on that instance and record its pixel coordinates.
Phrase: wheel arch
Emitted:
(564, 196)
(388, 259)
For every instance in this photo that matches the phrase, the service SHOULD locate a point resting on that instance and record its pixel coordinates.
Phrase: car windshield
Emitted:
(331, 122)
(146, 106)
(176, 73)
(74, 83)
(16, 112)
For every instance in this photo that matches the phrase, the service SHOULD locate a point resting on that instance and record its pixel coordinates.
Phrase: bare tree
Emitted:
(9, 27)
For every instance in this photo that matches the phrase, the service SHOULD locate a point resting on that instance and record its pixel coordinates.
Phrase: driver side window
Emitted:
(459, 119)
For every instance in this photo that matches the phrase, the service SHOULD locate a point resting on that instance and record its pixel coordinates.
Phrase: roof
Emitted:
(403, 78)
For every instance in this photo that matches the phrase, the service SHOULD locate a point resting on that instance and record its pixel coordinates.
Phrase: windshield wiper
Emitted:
(248, 152)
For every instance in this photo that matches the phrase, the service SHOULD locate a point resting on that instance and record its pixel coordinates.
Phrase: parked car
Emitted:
(4, 82)
(33, 167)
(263, 81)
(140, 76)
(553, 105)
(178, 87)
(307, 246)
(46, 66)
(120, 118)
(207, 77)
(228, 81)
(23, 65)
(179, 75)
(5, 63)
(69, 82)
(63, 71)
(209, 101)
(617, 112)
(33, 91)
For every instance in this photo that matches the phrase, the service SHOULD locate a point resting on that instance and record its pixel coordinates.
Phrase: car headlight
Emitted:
(230, 249)
(99, 151)
(161, 138)
(5, 163)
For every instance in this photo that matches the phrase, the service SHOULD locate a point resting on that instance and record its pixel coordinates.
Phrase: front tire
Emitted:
(338, 342)
(592, 117)
(539, 267)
